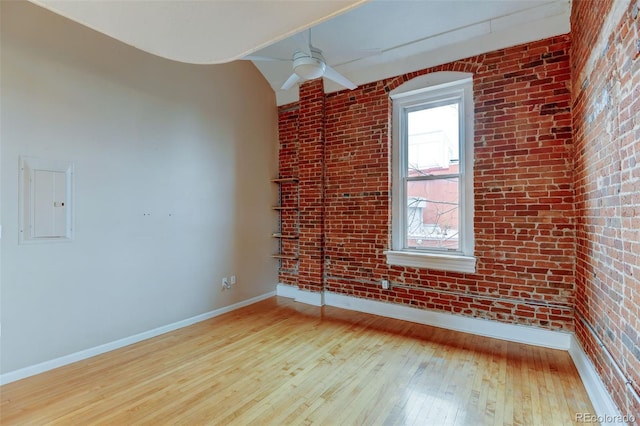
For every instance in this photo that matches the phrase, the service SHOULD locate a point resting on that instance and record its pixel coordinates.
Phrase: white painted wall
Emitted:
(172, 191)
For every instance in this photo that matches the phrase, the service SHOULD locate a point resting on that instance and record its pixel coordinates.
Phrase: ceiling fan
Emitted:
(308, 64)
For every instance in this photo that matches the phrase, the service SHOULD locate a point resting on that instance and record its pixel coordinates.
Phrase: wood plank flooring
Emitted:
(279, 362)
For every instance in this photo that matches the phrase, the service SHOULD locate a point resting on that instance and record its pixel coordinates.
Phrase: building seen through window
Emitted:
(432, 176)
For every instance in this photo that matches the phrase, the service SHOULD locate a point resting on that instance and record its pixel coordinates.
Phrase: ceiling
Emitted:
(198, 31)
(363, 40)
(413, 35)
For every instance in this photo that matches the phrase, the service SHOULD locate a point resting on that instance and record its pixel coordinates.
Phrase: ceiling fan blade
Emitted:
(290, 82)
(334, 75)
(303, 41)
(263, 58)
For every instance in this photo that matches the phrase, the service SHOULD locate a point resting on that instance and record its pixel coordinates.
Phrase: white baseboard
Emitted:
(303, 296)
(310, 297)
(600, 398)
(603, 404)
(286, 290)
(511, 332)
(22, 373)
(482, 327)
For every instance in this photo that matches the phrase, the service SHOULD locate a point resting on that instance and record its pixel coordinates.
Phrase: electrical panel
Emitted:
(46, 189)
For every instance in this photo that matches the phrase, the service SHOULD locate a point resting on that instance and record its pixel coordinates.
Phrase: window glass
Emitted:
(432, 214)
(432, 134)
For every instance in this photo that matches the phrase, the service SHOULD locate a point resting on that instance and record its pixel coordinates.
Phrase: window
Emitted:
(433, 173)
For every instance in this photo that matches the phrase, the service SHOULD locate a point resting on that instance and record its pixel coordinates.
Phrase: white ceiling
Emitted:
(416, 34)
(407, 35)
(198, 31)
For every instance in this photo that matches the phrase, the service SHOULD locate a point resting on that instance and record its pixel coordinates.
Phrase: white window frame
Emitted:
(422, 90)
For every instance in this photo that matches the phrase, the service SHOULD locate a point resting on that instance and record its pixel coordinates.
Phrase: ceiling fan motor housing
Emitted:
(309, 67)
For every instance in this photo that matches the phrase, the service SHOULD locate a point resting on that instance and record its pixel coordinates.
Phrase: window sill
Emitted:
(442, 262)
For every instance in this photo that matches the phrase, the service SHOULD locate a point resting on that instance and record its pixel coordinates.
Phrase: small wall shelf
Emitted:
(287, 236)
(284, 180)
(285, 256)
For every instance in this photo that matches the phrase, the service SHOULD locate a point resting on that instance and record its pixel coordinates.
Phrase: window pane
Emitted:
(432, 135)
(432, 214)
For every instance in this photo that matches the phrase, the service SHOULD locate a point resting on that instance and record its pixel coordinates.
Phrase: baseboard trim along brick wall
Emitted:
(602, 402)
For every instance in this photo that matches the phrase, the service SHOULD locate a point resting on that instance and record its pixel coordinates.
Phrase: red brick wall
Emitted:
(606, 110)
(524, 222)
(288, 168)
(310, 188)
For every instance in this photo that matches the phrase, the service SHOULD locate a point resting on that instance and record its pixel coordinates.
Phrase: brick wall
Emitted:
(288, 168)
(311, 191)
(606, 109)
(524, 222)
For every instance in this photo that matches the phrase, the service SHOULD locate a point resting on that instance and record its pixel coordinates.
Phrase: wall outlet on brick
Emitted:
(385, 284)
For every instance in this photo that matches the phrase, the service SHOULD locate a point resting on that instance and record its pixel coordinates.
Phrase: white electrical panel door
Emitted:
(46, 189)
(49, 196)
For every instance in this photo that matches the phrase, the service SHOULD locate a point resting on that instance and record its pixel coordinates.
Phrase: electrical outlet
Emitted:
(225, 284)
(385, 284)
(233, 279)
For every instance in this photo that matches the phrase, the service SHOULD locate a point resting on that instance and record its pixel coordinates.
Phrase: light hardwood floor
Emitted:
(280, 362)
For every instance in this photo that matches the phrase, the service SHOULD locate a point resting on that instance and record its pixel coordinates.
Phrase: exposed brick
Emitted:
(605, 85)
(523, 154)
(544, 127)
